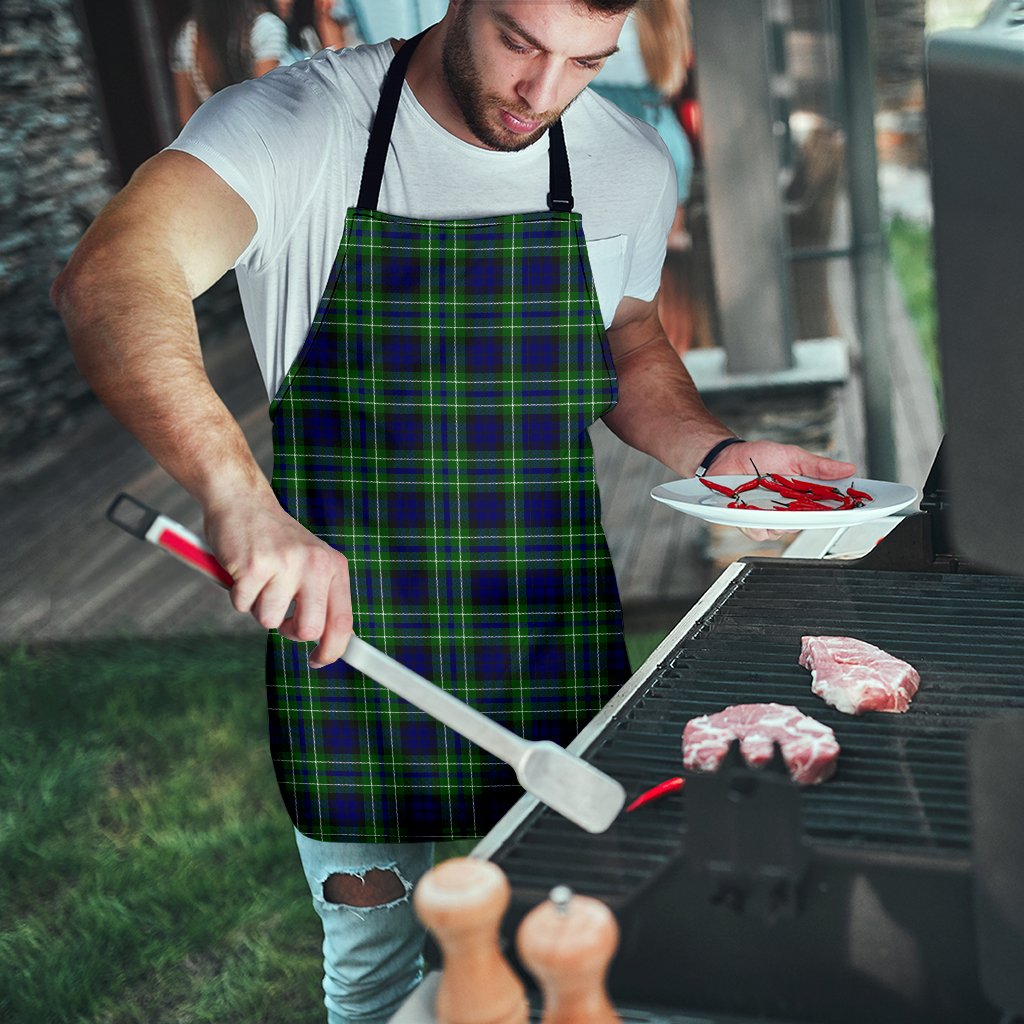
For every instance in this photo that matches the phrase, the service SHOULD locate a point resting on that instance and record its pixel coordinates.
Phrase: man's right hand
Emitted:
(275, 561)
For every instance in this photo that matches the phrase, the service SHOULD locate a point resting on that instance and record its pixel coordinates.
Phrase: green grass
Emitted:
(910, 249)
(641, 646)
(147, 867)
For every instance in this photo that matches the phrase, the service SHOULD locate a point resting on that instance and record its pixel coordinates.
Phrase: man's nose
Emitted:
(538, 89)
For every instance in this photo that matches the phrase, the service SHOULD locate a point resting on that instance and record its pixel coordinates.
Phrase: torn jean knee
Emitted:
(372, 954)
(376, 888)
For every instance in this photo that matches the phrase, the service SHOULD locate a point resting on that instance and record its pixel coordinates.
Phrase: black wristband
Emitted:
(705, 463)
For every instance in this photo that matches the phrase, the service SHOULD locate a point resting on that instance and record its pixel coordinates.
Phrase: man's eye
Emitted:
(590, 65)
(514, 47)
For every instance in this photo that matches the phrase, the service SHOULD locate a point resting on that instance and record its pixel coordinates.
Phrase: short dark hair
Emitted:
(609, 6)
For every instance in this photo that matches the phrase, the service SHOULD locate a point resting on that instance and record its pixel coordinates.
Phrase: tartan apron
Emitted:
(434, 430)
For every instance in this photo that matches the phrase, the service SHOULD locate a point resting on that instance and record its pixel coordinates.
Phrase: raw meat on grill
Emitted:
(809, 748)
(855, 677)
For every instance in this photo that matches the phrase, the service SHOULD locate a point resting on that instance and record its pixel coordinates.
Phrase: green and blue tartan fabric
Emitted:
(434, 430)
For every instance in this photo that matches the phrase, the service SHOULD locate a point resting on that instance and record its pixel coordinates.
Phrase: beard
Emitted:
(465, 83)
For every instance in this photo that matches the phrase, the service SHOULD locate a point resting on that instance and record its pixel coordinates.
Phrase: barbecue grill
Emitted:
(747, 897)
(894, 892)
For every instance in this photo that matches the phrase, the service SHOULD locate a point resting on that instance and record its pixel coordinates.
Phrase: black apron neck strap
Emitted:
(560, 194)
(383, 122)
(560, 185)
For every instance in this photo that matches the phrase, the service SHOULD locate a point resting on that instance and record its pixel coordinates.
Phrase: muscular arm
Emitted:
(126, 300)
(659, 410)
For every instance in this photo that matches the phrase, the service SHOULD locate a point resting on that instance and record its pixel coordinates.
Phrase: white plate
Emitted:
(693, 498)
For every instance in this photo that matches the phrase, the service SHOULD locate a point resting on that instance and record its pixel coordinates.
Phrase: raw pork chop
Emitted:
(855, 677)
(809, 748)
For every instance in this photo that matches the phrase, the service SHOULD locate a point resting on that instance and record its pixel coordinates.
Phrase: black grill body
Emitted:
(746, 896)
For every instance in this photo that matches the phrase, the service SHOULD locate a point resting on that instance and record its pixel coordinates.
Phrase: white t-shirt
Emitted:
(292, 144)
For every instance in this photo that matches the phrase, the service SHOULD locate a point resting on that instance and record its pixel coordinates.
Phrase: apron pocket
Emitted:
(608, 267)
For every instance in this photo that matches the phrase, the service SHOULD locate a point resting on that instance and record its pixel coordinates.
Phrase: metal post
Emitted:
(162, 104)
(868, 242)
(745, 218)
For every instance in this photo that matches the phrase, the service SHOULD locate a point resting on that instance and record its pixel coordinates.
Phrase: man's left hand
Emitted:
(772, 457)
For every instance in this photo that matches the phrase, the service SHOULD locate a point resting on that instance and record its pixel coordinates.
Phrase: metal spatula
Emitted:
(567, 784)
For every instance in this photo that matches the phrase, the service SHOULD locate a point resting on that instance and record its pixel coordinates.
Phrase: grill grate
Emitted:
(901, 787)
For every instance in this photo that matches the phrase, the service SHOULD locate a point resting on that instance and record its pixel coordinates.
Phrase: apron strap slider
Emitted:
(560, 205)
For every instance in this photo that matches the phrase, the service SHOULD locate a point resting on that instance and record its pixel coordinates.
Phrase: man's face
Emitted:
(513, 66)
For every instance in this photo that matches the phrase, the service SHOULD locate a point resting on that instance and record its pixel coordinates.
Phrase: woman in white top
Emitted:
(224, 42)
(312, 26)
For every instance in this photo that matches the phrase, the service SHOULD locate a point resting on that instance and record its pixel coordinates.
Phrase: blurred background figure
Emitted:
(646, 79)
(221, 43)
(313, 25)
(373, 21)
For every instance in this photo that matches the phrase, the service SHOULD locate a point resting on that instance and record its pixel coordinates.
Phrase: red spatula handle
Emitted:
(147, 524)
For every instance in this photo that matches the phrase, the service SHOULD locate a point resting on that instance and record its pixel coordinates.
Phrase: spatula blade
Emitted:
(572, 787)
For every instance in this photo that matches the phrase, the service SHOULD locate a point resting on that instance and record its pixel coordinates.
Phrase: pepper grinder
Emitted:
(462, 901)
(567, 943)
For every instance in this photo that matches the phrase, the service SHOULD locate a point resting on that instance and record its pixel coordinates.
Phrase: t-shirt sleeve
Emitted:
(267, 139)
(644, 278)
(269, 38)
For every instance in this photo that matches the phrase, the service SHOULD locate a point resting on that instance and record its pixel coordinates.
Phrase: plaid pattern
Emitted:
(434, 430)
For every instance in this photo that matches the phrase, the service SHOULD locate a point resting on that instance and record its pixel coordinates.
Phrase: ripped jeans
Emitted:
(373, 951)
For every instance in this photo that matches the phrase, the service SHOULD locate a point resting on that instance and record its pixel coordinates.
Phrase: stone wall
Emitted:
(53, 180)
(899, 53)
(899, 81)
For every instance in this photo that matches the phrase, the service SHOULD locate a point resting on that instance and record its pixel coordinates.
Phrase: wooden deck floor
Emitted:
(69, 574)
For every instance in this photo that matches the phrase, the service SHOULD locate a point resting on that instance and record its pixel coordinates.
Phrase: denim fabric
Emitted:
(372, 955)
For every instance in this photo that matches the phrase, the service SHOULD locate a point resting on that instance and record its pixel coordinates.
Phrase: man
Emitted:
(432, 380)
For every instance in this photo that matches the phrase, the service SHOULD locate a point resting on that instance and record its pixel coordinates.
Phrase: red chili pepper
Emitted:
(788, 492)
(749, 485)
(728, 492)
(863, 495)
(793, 485)
(656, 792)
(809, 487)
(807, 505)
(770, 484)
(816, 489)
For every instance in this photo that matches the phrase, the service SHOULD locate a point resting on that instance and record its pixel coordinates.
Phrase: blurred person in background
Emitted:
(373, 21)
(314, 25)
(221, 43)
(647, 75)
(645, 78)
